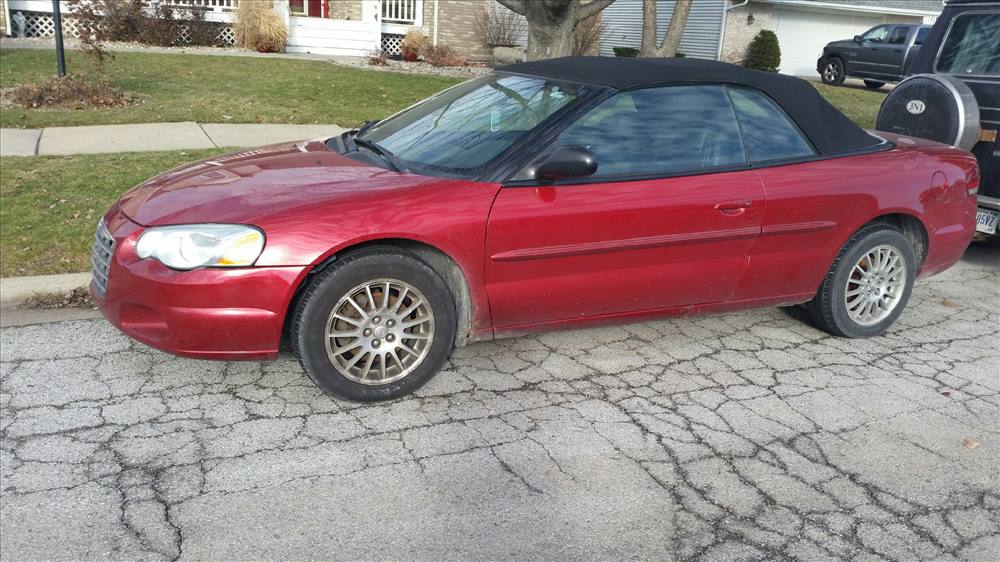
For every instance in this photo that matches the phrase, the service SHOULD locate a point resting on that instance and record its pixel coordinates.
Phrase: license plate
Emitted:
(986, 220)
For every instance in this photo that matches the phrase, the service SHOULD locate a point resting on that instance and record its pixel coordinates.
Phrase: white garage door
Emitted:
(802, 35)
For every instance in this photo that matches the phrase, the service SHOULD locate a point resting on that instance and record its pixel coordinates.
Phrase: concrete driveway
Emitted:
(739, 436)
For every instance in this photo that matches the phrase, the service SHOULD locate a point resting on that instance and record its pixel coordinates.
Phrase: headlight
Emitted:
(201, 245)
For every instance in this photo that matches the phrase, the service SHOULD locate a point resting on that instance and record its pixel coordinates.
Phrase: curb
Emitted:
(16, 290)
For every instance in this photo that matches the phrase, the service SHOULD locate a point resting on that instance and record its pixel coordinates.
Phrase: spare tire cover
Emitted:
(932, 106)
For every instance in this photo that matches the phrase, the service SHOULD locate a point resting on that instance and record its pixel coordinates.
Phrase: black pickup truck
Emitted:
(881, 54)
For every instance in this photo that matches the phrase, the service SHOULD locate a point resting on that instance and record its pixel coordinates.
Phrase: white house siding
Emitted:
(702, 34)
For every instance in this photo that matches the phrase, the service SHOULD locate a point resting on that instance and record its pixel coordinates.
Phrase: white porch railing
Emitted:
(207, 5)
(407, 12)
(215, 10)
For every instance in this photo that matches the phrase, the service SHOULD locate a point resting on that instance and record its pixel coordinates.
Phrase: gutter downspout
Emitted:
(722, 36)
(435, 23)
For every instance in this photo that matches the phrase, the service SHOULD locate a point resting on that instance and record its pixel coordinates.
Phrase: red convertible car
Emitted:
(547, 195)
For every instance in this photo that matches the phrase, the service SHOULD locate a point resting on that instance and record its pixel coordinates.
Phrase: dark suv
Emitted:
(882, 54)
(953, 95)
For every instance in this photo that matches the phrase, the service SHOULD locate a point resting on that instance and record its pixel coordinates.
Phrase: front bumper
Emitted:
(206, 313)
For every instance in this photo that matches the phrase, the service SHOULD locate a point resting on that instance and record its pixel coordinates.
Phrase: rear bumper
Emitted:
(205, 313)
(988, 202)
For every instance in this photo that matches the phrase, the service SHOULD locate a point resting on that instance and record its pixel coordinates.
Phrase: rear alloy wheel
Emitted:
(873, 84)
(376, 325)
(868, 285)
(833, 72)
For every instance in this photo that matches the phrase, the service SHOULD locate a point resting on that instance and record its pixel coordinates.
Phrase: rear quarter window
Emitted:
(769, 134)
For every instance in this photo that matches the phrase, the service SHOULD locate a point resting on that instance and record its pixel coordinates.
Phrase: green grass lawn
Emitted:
(858, 104)
(220, 89)
(51, 204)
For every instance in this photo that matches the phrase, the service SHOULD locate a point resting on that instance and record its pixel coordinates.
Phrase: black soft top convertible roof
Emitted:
(830, 131)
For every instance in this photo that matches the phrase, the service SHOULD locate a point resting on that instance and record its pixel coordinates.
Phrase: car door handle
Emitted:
(733, 207)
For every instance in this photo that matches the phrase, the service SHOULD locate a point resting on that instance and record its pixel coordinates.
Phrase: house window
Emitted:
(309, 8)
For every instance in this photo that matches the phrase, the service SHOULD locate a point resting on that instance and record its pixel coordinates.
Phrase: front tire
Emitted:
(873, 84)
(868, 284)
(376, 325)
(833, 72)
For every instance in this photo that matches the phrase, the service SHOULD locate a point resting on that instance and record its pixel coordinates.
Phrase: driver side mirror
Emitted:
(858, 39)
(567, 162)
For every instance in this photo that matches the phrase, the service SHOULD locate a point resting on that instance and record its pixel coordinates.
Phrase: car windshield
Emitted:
(461, 131)
(972, 47)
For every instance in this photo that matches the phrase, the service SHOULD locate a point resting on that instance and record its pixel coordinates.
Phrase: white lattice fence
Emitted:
(226, 35)
(41, 24)
(392, 44)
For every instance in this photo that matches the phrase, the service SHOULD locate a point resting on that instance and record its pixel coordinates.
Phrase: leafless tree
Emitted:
(672, 40)
(551, 23)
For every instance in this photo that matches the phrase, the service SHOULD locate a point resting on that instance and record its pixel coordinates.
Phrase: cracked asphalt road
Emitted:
(738, 436)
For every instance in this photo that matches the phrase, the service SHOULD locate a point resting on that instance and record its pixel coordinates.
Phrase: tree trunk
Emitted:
(672, 40)
(648, 48)
(550, 41)
(551, 23)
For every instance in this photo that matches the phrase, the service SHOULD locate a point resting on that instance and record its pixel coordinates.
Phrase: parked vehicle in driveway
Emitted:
(547, 195)
(882, 54)
(954, 96)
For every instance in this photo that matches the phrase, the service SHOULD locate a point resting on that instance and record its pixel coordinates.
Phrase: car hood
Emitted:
(248, 185)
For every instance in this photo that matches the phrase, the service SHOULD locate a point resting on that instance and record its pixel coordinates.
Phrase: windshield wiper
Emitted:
(389, 157)
(365, 126)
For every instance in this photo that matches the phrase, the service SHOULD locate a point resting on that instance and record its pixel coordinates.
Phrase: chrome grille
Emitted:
(100, 259)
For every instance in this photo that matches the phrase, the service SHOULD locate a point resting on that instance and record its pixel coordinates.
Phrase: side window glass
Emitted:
(971, 47)
(768, 133)
(898, 36)
(876, 35)
(659, 131)
(922, 34)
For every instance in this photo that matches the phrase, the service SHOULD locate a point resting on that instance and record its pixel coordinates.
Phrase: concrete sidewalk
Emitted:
(146, 137)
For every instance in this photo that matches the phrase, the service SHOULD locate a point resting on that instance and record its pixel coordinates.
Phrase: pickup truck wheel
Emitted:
(873, 84)
(868, 284)
(833, 71)
(376, 325)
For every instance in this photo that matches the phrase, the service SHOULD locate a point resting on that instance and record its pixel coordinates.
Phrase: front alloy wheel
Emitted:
(375, 325)
(380, 331)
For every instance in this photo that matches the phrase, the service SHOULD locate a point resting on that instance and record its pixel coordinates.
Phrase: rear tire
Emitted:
(376, 325)
(873, 84)
(868, 284)
(833, 72)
